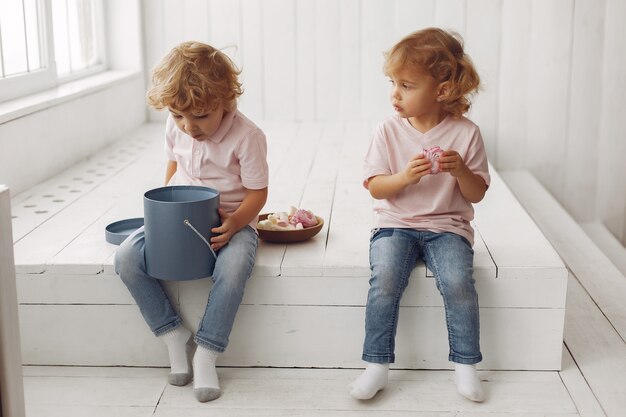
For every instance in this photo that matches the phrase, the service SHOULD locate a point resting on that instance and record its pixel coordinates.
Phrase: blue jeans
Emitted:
(232, 269)
(394, 253)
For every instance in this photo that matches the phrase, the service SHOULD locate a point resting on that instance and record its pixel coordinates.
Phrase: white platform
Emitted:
(304, 305)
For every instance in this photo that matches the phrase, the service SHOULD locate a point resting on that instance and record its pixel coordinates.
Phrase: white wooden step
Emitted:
(301, 297)
(607, 243)
(595, 271)
(595, 316)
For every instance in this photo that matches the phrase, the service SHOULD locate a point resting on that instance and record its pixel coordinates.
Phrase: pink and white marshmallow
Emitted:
(295, 219)
(305, 217)
(433, 154)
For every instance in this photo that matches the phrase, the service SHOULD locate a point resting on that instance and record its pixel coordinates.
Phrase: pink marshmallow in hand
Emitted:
(433, 154)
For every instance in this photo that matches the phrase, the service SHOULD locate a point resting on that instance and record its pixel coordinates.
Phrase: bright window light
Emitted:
(75, 35)
(20, 50)
(46, 42)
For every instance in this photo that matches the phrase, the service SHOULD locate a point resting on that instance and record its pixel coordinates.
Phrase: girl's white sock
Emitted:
(206, 386)
(178, 350)
(372, 380)
(467, 382)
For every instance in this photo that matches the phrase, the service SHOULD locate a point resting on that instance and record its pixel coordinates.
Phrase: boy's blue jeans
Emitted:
(393, 255)
(232, 269)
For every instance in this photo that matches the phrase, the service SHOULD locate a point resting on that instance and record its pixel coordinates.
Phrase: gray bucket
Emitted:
(178, 222)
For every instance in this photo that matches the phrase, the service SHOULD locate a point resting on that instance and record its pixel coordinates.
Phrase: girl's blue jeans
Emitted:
(394, 253)
(232, 269)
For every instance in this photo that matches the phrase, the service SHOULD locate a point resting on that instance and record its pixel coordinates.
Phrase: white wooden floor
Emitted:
(142, 392)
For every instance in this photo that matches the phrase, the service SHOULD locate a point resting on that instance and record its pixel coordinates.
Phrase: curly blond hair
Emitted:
(195, 77)
(441, 54)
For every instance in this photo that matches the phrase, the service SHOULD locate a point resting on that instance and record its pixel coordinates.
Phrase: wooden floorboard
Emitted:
(597, 348)
(138, 392)
(584, 399)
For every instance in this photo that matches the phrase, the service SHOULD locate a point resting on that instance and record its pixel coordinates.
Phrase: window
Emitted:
(76, 36)
(47, 42)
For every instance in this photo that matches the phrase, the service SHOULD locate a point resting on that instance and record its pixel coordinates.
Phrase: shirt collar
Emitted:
(225, 125)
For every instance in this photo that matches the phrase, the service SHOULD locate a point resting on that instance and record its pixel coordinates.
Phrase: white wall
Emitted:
(552, 71)
(611, 153)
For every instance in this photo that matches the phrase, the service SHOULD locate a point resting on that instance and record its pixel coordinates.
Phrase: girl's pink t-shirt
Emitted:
(232, 160)
(436, 202)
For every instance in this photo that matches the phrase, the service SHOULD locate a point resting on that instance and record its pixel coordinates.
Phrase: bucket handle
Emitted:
(188, 223)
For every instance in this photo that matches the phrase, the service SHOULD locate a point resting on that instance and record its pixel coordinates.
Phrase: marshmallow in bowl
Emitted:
(294, 219)
(304, 217)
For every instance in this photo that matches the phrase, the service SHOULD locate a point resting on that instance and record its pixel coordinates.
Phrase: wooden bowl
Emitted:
(289, 236)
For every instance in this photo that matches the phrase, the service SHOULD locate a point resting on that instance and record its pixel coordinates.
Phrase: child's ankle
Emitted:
(372, 380)
(468, 383)
(205, 383)
(178, 349)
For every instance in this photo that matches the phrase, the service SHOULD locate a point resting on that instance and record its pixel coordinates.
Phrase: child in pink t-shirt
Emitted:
(210, 143)
(425, 167)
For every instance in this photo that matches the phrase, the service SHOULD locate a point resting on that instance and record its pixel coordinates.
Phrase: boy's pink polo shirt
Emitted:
(232, 160)
(436, 202)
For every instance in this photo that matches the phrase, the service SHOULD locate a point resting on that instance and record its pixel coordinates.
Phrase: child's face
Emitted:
(198, 126)
(414, 93)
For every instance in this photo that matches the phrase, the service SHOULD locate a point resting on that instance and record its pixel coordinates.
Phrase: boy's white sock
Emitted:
(372, 380)
(467, 382)
(206, 386)
(178, 350)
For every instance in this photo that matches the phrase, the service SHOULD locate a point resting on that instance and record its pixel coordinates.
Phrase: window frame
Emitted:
(20, 85)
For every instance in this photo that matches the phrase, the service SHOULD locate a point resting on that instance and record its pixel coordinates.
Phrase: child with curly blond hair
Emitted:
(425, 167)
(208, 143)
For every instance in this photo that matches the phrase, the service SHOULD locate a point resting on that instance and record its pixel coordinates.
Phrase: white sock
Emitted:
(372, 380)
(467, 382)
(206, 386)
(176, 341)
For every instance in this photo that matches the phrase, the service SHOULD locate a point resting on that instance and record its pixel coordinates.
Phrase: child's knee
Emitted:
(127, 260)
(386, 282)
(460, 288)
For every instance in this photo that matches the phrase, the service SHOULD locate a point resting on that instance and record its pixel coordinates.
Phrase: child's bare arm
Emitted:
(170, 170)
(473, 187)
(249, 209)
(386, 186)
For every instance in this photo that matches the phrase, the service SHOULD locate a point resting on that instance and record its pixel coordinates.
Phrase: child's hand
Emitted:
(225, 231)
(417, 167)
(452, 162)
